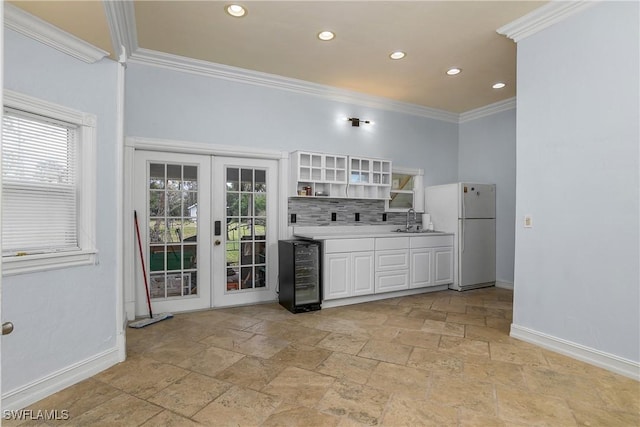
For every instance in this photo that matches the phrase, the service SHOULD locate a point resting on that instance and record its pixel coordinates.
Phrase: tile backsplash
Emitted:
(315, 211)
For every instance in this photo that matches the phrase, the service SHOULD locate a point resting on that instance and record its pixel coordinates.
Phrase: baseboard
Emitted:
(608, 361)
(504, 285)
(377, 297)
(130, 310)
(52, 383)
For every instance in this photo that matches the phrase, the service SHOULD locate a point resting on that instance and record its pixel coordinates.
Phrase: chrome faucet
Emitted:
(407, 226)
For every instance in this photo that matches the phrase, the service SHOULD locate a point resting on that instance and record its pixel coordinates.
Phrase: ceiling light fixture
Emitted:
(355, 122)
(498, 85)
(453, 71)
(326, 35)
(236, 10)
(398, 54)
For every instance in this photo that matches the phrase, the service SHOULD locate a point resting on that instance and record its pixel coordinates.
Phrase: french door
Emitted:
(208, 228)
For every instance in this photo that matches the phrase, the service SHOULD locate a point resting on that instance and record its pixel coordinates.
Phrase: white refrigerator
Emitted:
(469, 211)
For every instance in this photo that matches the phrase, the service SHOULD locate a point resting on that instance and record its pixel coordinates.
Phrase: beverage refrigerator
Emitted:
(300, 275)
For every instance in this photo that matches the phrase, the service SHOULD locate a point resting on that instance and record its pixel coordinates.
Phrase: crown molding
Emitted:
(543, 17)
(487, 110)
(24, 23)
(121, 18)
(240, 75)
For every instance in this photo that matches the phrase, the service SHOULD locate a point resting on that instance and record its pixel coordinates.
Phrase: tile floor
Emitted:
(441, 359)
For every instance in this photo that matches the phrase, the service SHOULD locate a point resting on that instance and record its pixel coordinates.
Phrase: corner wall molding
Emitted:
(121, 18)
(504, 285)
(543, 17)
(26, 24)
(604, 360)
(209, 69)
(52, 383)
(487, 110)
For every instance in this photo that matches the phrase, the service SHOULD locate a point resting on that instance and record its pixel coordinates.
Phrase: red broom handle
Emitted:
(144, 269)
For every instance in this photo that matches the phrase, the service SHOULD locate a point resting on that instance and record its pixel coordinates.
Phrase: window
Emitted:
(406, 190)
(48, 185)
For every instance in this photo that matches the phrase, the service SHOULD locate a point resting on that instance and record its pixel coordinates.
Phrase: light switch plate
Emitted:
(528, 221)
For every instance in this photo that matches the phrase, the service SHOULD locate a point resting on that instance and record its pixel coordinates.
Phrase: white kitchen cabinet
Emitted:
(431, 261)
(348, 268)
(421, 271)
(392, 264)
(369, 178)
(443, 263)
(323, 174)
(337, 276)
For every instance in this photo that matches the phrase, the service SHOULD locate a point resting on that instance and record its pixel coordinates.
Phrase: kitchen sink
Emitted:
(402, 230)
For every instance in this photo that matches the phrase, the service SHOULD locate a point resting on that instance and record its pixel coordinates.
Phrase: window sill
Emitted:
(42, 262)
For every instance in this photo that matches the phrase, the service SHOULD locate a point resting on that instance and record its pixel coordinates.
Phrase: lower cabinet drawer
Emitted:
(388, 281)
(392, 260)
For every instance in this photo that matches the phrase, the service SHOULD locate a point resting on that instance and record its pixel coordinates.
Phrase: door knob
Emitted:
(7, 328)
(217, 243)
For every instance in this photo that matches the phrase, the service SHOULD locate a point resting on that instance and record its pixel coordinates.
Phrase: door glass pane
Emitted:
(246, 183)
(173, 230)
(246, 252)
(261, 180)
(260, 205)
(233, 179)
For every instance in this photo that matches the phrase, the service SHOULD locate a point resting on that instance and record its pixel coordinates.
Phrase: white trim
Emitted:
(2, 6)
(24, 23)
(121, 319)
(188, 147)
(59, 380)
(487, 110)
(87, 188)
(41, 262)
(210, 69)
(504, 285)
(586, 354)
(33, 105)
(121, 18)
(129, 254)
(543, 17)
(406, 170)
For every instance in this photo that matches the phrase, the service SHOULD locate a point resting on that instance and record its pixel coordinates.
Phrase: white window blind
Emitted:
(39, 172)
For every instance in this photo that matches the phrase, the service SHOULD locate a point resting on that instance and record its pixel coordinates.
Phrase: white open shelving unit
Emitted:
(339, 176)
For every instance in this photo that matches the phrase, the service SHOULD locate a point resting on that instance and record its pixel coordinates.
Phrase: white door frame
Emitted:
(174, 146)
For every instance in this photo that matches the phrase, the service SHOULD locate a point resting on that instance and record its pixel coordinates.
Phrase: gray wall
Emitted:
(577, 269)
(487, 153)
(66, 316)
(167, 104)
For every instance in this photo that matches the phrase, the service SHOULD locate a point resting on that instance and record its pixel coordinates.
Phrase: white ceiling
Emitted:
(279, 37)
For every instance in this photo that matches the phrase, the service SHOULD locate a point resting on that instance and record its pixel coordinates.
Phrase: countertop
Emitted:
(357, 232)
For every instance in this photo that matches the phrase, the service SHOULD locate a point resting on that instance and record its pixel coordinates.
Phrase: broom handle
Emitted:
(144, 269)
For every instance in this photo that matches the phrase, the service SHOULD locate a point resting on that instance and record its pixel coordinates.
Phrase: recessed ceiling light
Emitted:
(235, 10)
(453, 71)
(326, 35)
(397, 55)
(498, 85)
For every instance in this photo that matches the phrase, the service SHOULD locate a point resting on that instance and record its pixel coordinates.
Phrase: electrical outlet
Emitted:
(334, 216)
(384, 217)
(293, 218)
(357, 217)
(528, 221)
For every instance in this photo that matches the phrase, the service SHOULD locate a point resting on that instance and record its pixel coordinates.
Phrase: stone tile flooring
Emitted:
(441, 359)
